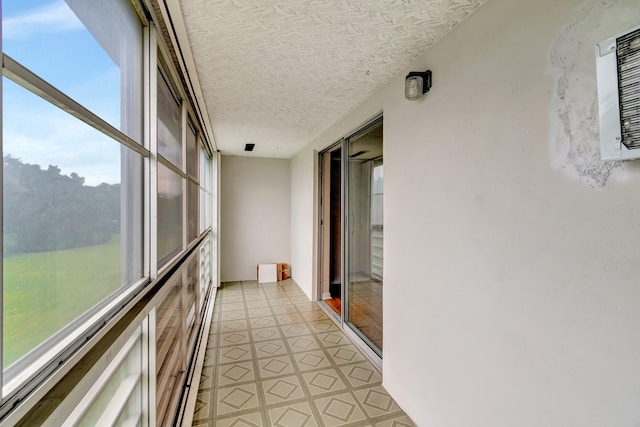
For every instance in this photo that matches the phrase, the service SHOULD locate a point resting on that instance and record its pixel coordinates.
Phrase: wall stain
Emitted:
(575, 146)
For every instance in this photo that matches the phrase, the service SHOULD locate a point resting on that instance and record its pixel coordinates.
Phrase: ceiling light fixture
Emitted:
(416, 84)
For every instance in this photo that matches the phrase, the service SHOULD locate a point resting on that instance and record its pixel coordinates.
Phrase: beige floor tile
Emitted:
(401, 421)
(275, 359)
(298, 415)
(257, 304)
(282, 389)
(275, 366)
(376, 401)
(265, 334)
(311, 360)
(233, 315)
(235, 373)
(361, 374)
(295, 330)
(333, 339)
(258, 312)
(302, 343)
(206, 378)
(323, 381)
(284, 309)
(280, 302)
(233, 326)
(262, 322)
(252, 419)
(339, 410)
(345, 354)
(270, 348)
(287, 319)
(237, 399)
(320, 326)
(232, 307)
(203, 408)
(235, 354)
(234, 338)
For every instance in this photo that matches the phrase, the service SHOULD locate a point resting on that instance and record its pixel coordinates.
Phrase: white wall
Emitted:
(512, 254)
(255, 208)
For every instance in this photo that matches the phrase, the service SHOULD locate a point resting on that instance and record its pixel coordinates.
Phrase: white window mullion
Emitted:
(151, 124)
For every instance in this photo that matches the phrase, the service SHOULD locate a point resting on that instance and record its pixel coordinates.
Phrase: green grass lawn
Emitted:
(45, 291)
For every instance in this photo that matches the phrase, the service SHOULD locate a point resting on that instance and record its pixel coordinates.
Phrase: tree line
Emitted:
(45, 210)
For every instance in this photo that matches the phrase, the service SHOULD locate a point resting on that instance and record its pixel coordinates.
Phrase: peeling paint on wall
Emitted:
(574, 138)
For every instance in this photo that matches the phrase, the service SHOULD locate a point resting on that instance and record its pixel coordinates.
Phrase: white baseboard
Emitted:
(326, 295)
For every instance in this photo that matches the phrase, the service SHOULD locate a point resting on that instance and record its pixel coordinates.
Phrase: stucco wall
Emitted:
(511, 252)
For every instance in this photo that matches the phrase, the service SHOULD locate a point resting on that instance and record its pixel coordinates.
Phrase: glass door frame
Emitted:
(364, 343)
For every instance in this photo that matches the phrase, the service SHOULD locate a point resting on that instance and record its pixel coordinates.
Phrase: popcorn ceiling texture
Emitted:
(277, 73)
(574, 104)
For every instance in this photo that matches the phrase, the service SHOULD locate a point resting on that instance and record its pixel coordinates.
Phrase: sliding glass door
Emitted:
(364, 234)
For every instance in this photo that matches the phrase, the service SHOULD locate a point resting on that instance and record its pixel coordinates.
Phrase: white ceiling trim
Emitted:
(277, 73)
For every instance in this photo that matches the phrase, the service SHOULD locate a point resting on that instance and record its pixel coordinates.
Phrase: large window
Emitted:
(105, 190)
(72, 185)
(72, 45)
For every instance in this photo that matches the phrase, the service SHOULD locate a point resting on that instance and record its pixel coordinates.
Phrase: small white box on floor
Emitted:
(267, 273)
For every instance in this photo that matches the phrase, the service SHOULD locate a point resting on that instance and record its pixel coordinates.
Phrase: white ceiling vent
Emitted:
(618, 67)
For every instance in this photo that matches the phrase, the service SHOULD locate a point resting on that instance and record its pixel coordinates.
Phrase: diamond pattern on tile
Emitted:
(253, 419)
(311, 360)
(232, 307)
(206, 378)
(262, 322)
(234, 338)
(323, 326)
(282, 390)
(303, 343)
(275, 366)
(280, 301)
(361, 374)
(344, 354)
(202, 411)
(295, 330)
(235, 373)
(237, 398)
(332, 339)
(235, 354)
(233, 315)
(339, 410)
(257, 304)
(376, 401)
(306, 360)
(264, 334)
(285, 309)
(258, 312)
(324, 381)
(270, 348)
(314, 316)
(286, 319)
(233, 326)
(297, 415)
(231, 299)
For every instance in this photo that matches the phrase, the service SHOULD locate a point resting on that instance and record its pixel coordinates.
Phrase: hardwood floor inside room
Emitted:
(365, 309)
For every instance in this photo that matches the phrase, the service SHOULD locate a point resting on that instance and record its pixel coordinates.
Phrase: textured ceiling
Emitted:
(276, 73)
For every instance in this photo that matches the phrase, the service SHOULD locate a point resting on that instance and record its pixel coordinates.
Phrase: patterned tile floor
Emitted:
(276, 359)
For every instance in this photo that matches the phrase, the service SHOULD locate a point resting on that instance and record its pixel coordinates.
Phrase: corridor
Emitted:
(276, 359)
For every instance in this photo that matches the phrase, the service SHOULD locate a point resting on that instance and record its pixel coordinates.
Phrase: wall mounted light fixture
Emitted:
(416, 84)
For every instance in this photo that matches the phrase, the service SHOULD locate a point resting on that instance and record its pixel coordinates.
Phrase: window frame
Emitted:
(20, 397)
